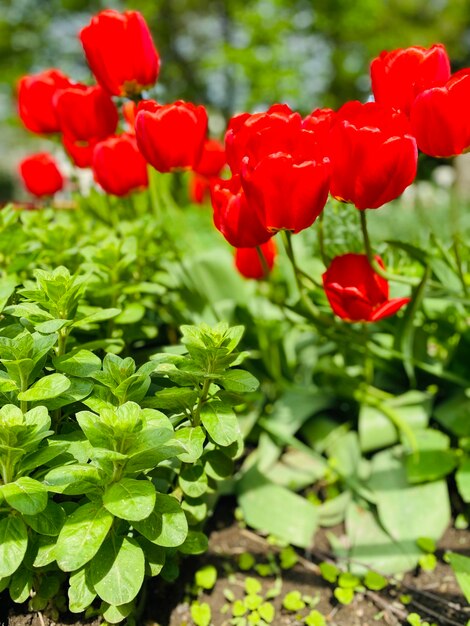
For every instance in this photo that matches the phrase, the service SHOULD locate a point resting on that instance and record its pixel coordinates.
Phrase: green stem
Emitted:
(23, 387)
(311, 308)
(262, 260)
(372, 260)
(458, 259)
(202, 398)
(321, 240)
(368, 361)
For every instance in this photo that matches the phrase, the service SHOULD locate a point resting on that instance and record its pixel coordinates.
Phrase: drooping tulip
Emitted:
(248, 262)
(118, 166)
(171, 136)
(41, 175)
(35, 100)
(439, 117)
(234, 218)
(401, 75)
(120, 52)
(356, 293)
(373, 154)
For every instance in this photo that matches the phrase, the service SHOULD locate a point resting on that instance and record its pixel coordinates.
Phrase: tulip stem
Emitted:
(287, 235)
(321, 240)
(458, 260)
(262, 260)
(372, 260)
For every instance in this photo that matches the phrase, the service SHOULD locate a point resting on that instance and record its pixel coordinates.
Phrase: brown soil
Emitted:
(435, 595)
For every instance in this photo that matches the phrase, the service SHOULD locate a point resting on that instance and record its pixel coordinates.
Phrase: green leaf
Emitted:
(201, 613)
(293, 601)
(195, 543)
(73, 479)
(48, 387)
(206, 577)
(13, 544)
(49, 521)
(220, 422)
(99, 316)
(374, 581)
(117, 571)
(462, 478)
(344, 596)
(274, 509)
(26, 495)
(82, 535)
(21, 584)
(315, 618)
(329, 572)
(461, 567)
(166, 525)
(192, 442)
(78, 363)
(193, 480)
(217, 465)
(239, 381)
(7, 287)
(116, 614)
(432, 460)
(81, 593)
(130, 499)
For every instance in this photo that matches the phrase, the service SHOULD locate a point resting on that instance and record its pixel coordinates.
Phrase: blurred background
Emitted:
(232, 55)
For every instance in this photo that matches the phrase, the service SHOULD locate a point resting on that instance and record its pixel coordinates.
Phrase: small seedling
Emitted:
(293, 601)
(315, 618)
(344, 596)
(288, 557)
(246, 561)
(206, 577)
(427, 561)
(329, 572)
(374, 581)
(201, 613)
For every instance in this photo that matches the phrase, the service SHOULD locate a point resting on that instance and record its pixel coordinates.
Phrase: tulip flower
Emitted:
(320, 122)
(86, 113)
(287, 193)
(249, 264)
(118, 166)
(35, 100)
(208, 168)
(80, 152)
(120, 52)
(439, 117)
(373, 154)
(212, 159)
(401, 75)
(171, 136)
(129, 111)
(356, 293)
(260, 134)
(40, 175)
(234, 218)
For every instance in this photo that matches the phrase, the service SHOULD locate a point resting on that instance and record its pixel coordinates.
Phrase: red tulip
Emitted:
(199, 188)
(80, 152)
(120, 52)
(356, 293)
(261, 134)
(212, 159)
(86, 113)
(35, 100)
(171, 136)
(399, 76)
(118, 165)
(40, 175)
(440, 119)
(248, 263)
(234, 218)
(286, 192)
(373, 154)
(320, 122)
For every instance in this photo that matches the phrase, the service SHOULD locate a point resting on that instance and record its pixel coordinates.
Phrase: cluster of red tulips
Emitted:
(282, 166)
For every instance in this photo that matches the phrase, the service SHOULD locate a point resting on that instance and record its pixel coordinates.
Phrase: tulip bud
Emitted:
(120, 52)
(118, 165)
(248, 262)
(40, 175)
(356, 293)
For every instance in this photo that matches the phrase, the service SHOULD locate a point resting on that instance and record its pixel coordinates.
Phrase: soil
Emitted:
(435, 595)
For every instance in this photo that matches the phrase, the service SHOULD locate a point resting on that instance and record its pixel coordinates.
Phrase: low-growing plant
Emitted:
(108, 470)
